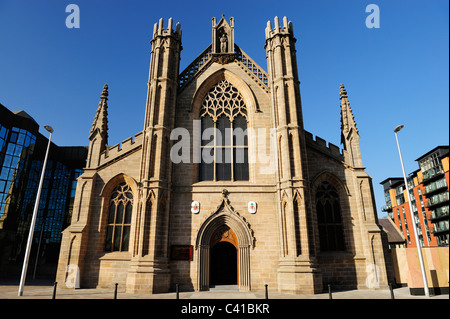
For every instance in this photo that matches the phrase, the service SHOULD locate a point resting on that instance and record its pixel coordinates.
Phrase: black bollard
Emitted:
(178, 291)
(267, 291)
(54, 290)
(329, 292)
(392, 291)
(115, 291)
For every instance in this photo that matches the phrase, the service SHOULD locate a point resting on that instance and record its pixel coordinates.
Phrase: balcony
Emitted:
(438, 214)
(431, 174)
(436, 200)
(441, 227)
(435, 187)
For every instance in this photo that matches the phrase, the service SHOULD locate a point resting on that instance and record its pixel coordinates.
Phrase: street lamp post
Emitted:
(33, 220)
(416, 236)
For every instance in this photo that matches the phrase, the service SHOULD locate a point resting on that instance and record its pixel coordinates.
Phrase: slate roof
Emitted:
(393, 233)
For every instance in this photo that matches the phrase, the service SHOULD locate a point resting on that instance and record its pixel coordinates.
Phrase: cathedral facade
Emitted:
(223, 186)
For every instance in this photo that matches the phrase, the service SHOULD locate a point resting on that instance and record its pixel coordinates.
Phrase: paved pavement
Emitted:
(44, 290)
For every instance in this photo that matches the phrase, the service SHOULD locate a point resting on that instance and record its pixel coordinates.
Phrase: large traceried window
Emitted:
(119, 218)
(224, 135)
(329, 218)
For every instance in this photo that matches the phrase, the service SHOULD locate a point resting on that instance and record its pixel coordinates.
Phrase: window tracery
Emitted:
(329, 218)
(119, 218)
(224, 134)
(223, 99)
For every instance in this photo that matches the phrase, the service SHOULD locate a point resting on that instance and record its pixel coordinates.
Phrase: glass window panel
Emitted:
(21, 139)
(241, 172)
(17, 150)
(206, 172)
(27, 141)
(3, 132)
(331, 242)
(10, 149)
(15, 129)
(128, 210)
(112, 212)
(207, 155)
(223, 168)
(126, 238)
(7, 161)
(323, 238)
(117, 235)
(119, 215)
(320, 213)
(13, 137)
(339, 238)
(4, 174)
(207, 123)
(8, 187)
(109, 233)
(336, 212)
(328, 212)
(240, 137)
(224, 137)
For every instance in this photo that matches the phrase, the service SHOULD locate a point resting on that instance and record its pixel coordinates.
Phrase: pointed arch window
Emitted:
(119, 218)
(329, 218)
(224, 135)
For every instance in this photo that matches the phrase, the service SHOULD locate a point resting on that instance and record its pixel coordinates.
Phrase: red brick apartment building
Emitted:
(429, 190)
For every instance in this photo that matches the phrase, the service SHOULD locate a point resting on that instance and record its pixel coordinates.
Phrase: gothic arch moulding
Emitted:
(236, 81)
(107, 190)
(344, 205)
(225, 215)
(119, 178)
(331, 178)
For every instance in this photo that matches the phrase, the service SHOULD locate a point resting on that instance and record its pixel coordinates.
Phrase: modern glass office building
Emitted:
(22, 151)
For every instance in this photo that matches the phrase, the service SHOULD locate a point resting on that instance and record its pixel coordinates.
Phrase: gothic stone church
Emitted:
(302, 220)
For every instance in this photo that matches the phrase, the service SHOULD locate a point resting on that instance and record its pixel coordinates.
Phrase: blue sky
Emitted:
(396, 74)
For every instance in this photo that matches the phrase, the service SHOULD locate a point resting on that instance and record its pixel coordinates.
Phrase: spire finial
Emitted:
(349, 131)
(105, 92)
(101, 117)
(343, 92)
(347, 118)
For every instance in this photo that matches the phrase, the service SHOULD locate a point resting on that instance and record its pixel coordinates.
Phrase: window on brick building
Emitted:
(119, 218)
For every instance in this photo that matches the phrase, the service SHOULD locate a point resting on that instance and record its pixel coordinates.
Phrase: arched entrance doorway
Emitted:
(224, 257)
(225, 225)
